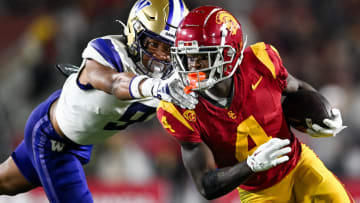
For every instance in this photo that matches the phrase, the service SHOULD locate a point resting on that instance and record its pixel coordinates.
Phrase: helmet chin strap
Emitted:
(223, 101)
(209, 83)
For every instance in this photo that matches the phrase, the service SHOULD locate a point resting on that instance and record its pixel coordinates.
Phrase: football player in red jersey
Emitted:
(237, 136)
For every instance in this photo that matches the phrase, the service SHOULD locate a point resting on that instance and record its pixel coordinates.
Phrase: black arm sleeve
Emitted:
(220, 182)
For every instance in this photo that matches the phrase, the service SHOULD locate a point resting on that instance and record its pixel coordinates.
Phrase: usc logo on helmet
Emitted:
(190, 115)
(224, 17)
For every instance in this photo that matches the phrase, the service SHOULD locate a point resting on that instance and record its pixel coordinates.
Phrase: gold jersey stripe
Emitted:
(171, 109)
(259, 50)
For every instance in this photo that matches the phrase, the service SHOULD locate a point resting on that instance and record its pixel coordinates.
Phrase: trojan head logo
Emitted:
(231, 115)
(225, 18)
(190, 115)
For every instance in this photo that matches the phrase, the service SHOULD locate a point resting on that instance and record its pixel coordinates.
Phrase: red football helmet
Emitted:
(212, 35)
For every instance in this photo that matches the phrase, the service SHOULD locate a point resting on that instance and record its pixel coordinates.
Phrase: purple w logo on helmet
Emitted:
(141, 4)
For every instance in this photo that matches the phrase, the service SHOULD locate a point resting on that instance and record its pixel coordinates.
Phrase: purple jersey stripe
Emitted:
(107, 50)
(84, 87)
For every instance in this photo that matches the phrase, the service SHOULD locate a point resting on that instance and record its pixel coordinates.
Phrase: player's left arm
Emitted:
(294, 84)
(270, 58)
(334, 125)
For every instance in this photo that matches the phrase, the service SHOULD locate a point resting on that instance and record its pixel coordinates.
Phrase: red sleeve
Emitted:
(178, 122)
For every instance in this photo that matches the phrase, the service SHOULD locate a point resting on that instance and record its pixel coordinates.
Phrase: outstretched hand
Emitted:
(172, 90)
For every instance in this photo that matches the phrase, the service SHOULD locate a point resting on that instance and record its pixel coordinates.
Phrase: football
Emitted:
(302, 104)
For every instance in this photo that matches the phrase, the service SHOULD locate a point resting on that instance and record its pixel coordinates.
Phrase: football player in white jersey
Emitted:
(120, 82)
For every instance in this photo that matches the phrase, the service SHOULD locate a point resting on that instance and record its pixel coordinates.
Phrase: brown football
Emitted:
(302, 104)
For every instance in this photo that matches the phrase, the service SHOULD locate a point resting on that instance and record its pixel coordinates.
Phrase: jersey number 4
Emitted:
(249, 135)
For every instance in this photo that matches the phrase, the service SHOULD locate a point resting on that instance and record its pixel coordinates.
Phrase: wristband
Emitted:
(147, 87)
(134, 86)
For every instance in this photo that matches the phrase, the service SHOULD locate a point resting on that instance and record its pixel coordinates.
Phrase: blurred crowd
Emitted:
(319, 42)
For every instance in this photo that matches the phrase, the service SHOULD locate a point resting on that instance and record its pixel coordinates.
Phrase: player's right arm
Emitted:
(127, 85)
(213, 182)
(106, 79)
(210, 181)
(106, 68)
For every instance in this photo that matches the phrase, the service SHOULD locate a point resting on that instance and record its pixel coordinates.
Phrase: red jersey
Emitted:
(254, 116)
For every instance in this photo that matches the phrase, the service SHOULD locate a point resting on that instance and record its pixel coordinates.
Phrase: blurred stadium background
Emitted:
(319, 42)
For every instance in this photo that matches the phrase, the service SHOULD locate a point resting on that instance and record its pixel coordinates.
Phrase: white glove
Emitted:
(170, 90)
(334, 125)
(269, 154)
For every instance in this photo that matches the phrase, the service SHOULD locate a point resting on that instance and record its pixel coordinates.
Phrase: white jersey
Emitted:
(87, 115)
